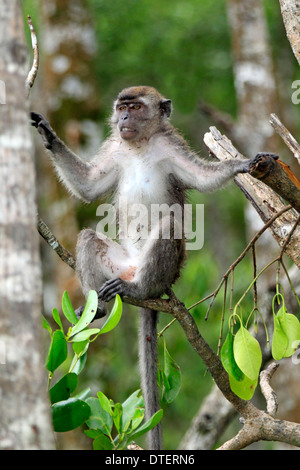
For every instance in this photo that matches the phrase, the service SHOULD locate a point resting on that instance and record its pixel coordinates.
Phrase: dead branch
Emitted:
(265, 427)
(263, 198)
(35, 65)
(52, 241)
(278, 177)
(286, 136)
(43, 229)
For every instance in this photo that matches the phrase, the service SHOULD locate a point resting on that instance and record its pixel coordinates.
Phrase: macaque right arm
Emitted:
(86, 180)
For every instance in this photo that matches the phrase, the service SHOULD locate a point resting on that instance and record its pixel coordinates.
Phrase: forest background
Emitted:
(89, 51)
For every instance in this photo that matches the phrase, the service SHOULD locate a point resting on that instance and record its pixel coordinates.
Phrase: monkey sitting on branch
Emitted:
(143, 162)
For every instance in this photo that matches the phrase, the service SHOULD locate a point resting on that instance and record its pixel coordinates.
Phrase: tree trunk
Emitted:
(25, 419)
(290, 11)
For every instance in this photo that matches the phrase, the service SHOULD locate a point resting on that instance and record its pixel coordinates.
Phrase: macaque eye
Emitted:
(122, 107)
(136, 106)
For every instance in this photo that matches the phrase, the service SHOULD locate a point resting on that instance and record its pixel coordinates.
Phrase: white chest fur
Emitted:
(143, 181)
(142, 184)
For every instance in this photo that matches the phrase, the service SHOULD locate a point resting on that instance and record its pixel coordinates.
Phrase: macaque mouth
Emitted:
(127, 129)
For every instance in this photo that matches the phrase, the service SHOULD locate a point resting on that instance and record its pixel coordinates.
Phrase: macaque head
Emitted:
(139, 112)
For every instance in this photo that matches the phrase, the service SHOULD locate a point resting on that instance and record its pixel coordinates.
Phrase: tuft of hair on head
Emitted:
(134, 92)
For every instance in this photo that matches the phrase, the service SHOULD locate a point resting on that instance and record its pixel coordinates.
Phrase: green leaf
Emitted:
(247, 353)
(88, 313)
(81, 347)
(93, 433)
(105, 402)
(63, 388)
(150, 424)
(132, 413)
(172, 377)
(46, 325)
(57, 319)
(68, 309)
(114, 316)
(79, 362)
(227, 358)
(85, 334)
(244, 388)
(69, 414)
(292, 330)
(117, 417)
(58, 351)
(99, 418)
(102, 442)
(136, 420)
(280, 339)
(84, 394)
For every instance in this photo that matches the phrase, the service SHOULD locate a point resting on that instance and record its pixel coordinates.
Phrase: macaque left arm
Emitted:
(205, 176)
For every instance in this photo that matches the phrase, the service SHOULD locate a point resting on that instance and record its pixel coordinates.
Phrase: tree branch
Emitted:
(266, 389)
(286, 136)
(279, 177)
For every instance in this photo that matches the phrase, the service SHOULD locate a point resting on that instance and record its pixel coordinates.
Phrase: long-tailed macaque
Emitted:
(144, 162)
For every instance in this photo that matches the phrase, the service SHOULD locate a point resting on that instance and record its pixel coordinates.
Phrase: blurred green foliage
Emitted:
(167, 45)
(182, 48)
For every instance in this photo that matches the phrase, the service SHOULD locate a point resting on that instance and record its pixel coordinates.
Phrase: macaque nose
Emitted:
(124, 116)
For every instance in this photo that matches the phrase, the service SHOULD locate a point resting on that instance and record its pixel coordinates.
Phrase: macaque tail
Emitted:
(148, 371)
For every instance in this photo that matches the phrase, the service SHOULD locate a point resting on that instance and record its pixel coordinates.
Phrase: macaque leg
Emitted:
(157, 268)
(98, 260)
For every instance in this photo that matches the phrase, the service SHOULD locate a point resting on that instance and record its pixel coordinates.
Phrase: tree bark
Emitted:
(25, 419)
(290, 11)
(278, 176)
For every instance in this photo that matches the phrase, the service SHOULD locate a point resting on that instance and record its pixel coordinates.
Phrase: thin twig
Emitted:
(286, 136)
(242, 255)
(254, 280)
(290, 282)
(254, 276)
(287, 241)
(52, 241)
(222, 318)
(231, 290)
(35, 65)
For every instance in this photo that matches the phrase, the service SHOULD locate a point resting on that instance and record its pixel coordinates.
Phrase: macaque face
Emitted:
(139, 112)
(132, 117)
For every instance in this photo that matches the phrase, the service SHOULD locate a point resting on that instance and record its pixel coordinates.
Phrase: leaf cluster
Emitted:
(241, 353)
(101, 415)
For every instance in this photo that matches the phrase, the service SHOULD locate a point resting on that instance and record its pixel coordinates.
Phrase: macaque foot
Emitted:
(111, 288)
(100, 313)
(44, 128)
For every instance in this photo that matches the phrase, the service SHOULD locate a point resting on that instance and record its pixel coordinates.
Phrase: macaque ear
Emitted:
(166, 107)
